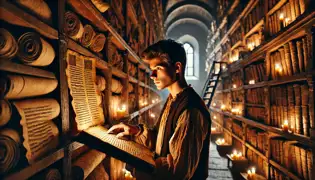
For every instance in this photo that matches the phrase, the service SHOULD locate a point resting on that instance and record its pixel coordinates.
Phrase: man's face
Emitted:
(163, 74)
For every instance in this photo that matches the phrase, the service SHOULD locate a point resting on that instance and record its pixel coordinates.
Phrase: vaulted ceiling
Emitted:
(194, 12)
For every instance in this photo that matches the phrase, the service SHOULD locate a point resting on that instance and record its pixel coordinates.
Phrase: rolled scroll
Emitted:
(101, 83)
(98, 173)
(5, 112)
(27, 86)
(50, 174)
(73, 25)
(100, 5)
(10, 148)
(8, 45)
(35, 51)
(98, 42)
(38, 7)
(86, 164)
(88, 35)
(116, 86)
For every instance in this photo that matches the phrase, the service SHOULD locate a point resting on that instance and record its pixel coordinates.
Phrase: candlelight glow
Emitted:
(251, 172)
(222, 107)
(213, 129)
(153, 101)
(285, 126)
(278, 67)
(252, 82)
(152, 115)
(220, 141)
(281, 16)
(234, 86)
(214, 117)
(214, 104)
(128, 175)
(236, 155)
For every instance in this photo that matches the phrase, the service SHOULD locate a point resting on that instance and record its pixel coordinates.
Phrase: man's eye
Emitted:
(158, 68)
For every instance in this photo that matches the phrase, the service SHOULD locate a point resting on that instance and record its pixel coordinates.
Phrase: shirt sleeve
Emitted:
(185, 146)
(147, 137)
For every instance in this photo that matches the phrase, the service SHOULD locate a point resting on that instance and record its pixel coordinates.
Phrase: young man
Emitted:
(182, 133)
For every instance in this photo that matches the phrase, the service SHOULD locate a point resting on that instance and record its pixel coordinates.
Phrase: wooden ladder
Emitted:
(211, 82)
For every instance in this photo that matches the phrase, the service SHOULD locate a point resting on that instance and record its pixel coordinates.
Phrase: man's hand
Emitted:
(123, 130)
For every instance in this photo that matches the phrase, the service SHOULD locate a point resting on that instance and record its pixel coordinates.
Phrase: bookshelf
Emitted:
(262, 109)
(21, 19)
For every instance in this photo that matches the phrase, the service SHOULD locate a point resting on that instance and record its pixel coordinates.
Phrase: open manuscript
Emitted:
(89, 117)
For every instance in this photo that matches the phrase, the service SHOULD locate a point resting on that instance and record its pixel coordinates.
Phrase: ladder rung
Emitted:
(206, 98)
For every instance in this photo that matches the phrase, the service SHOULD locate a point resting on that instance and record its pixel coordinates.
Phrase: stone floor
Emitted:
(218, 169)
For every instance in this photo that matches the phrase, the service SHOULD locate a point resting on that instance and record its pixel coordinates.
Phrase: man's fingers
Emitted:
(122, 134)
(115, 127)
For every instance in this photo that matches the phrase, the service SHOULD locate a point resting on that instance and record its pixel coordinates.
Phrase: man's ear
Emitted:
(178, 67)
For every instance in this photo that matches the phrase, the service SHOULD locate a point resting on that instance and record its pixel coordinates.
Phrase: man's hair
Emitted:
(168, 50)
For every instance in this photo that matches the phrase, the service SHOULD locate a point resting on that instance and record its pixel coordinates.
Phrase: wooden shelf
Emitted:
(249, 146)
(276, 7)
(255, 105)
(14, 15)
(302, 139)
(256, 85)
(243, 119)
(132, 79)
(25, 70)
(284, 170)
(290, 79)
(131, 12)
(87, 10)
(76, 145)
(37, 166)
(73, 45)
(255, 28)
(118, 73)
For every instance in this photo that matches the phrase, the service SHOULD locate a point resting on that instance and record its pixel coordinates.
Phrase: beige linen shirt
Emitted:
(185, 144)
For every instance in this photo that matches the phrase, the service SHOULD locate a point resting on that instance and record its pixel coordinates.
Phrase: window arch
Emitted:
(190, 71)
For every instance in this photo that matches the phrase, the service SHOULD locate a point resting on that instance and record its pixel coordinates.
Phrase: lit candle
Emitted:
(213, 129)
(214, 117)
(152, 115)
(281, 17)
(223, 66)
(234, 86)
(252, 82)
(278, 67)
(285, 126)
(249, 173)
(222, 107)
(214, 104)
(253, 171)
(121, 111)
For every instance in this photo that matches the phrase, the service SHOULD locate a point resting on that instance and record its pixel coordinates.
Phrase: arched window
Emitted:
(190, 71)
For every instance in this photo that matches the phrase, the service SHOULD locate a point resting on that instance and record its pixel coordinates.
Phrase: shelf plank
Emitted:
(284, 170)
(86, 9)
(276, 7)
(14, 15)
(132, 79)
(118, 73)
(255, 105)
(257, 177)
(255, 28)
(73, 45)
(26, 70)
(302, 139)
(37, 166)
(243, 142)
(256, 85)
(76, 145)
